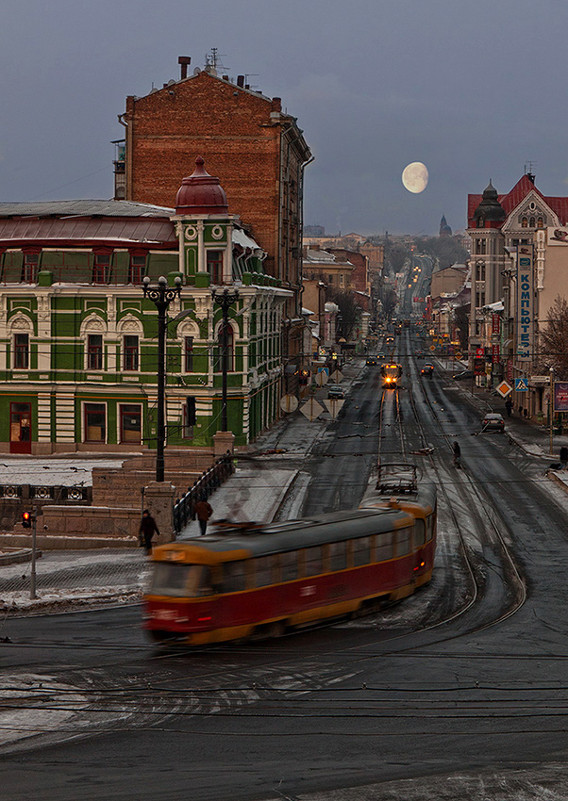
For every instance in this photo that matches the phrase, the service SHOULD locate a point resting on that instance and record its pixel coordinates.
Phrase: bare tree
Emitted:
(554, 339)
(349, 311)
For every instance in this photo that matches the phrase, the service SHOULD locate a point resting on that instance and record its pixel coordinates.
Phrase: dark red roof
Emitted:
(201, 193)
(511, 200)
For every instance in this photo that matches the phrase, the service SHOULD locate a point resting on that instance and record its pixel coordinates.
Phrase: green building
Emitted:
(78, 339)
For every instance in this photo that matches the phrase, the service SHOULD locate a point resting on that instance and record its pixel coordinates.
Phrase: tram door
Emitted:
(20, 428)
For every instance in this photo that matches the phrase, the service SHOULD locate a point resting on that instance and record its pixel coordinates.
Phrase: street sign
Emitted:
(336, 377)
(521, 385)
(288, 403)
(333, 406)
(311, 409)
(504, 389)
(458, 355)
(321, 378)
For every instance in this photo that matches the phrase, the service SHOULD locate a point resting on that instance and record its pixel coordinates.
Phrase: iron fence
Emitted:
(202, 488)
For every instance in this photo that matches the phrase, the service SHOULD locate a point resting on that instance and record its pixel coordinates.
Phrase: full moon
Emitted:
(415, 177)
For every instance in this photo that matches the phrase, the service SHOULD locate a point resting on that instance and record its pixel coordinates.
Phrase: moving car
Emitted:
(463, 375)
(372, 360)
(428, 370)
(335, 391)
(493, 422)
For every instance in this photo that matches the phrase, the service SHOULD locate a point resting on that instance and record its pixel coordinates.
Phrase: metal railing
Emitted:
(202, 488)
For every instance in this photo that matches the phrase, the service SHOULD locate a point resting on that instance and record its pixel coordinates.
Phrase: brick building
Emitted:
(256, 149)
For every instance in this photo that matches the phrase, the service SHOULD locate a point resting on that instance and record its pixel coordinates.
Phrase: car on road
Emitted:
(428, 370)
(334, 391)
(372, 361)
(463, 375)
(493, 422)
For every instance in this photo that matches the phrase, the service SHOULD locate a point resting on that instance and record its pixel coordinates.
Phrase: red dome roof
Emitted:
(201, 193)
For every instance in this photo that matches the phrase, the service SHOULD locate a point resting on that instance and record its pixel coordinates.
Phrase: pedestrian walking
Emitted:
(509, 406)
(564, 457)
(148, 528)
(203, 510)
(457, 454)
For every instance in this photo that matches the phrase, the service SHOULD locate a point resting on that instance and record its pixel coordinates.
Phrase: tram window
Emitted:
(289, 566)
(403, 541)
(430, 523)
(177, 580)
(419, 533)
(313, 561)
(337, 556)
(384, 547)
(234, 576)
(263, 571)
(361, 551)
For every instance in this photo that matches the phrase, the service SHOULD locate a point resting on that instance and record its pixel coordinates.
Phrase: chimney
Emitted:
(184, 61)
(241, 81)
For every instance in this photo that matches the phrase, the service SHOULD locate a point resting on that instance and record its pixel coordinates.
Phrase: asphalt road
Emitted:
(472, 708)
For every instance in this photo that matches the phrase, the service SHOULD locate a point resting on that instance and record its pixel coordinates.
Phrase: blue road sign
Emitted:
(521, 385)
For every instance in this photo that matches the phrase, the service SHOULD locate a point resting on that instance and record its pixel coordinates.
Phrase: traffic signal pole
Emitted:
(33, 594)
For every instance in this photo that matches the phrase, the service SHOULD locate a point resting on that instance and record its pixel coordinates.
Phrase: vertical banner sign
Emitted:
(525, 311)
(495, 354)
(496, 324)
(560, 390)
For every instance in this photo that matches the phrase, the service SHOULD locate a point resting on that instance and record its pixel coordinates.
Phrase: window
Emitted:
(215, 266)
(403, 541)
(234, 576)
(337, 556)
(540, 223)
(21, 351)
(524, 222)
(94, 352)
(263, 570)
(101, 269)
(95, 422)
(219, 356)
(361, 551)
(532, 222)
(480, 246)
(131, 351)
(136, 269)
(188, 354)
(480, 271)
(131, 424)
(30, 268)
(384, 547)
(189, 418)
(419, 533)
(313, 561)
(289, 566)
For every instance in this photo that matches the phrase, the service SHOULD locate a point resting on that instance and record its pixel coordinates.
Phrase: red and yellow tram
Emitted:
(391, 374)
(235, 582)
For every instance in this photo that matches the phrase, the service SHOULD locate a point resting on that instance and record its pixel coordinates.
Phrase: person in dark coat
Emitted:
(457, 454)
(203, 510)
(148, 528)
(564, 457)
(509, 406)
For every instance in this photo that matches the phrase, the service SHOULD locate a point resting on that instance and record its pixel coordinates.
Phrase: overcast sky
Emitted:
(473, 90)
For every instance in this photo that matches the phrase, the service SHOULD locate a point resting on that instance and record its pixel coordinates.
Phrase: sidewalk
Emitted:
(264, 472)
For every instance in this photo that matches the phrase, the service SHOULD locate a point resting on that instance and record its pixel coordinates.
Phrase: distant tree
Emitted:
(395, 257)
(554, 339)
(388, 301)
(349, 311)
(446, 250)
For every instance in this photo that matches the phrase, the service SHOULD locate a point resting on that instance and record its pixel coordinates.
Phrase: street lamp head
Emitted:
(177, 280)
(162, 280)
(146, 280)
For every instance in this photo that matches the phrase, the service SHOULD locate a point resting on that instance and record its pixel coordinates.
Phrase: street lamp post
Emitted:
(225, 300)
(161, 296)
(551, 400)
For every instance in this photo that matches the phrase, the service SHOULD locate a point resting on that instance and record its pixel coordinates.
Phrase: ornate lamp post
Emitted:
(225, 299)
(161, 295)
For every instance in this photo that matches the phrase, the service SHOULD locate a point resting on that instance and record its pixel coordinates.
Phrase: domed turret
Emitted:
(201, 193)
(489, 210)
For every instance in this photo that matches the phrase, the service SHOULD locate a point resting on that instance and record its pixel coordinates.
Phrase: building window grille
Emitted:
(188, 354)
(215, 266)
(131, 353)
(101, 269)
(136, 269)
(21, 351)
(95, 352)
(95, 422)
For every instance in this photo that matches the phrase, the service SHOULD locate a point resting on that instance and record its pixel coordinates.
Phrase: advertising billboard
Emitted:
(560, 396)
(525, 304)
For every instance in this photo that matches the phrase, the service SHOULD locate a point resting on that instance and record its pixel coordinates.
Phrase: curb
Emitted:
(16, 556)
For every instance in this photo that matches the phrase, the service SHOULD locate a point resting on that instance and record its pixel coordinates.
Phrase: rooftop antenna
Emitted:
(213, 59)
(529, 170)
(249, 75)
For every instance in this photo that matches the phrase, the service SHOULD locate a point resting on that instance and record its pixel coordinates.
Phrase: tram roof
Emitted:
(293, 534)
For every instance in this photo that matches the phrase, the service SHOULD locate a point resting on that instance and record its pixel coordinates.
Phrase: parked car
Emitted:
(463, 375)
(493, 422)
(428, 370)
(335, 391)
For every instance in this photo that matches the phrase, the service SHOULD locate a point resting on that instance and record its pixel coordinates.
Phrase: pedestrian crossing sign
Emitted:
(521, 384)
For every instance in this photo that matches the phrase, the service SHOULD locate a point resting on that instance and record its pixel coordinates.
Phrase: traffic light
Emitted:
(26, 519)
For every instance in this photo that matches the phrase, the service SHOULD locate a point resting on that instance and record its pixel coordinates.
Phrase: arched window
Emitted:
(532, 222)
(540, 223)
(130, 330)
(524, 223)
(93, 330)
(21, 331)
(230, 354)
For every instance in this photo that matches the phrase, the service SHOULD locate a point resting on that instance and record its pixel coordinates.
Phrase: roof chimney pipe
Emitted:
(241, 81)
(184, 62)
